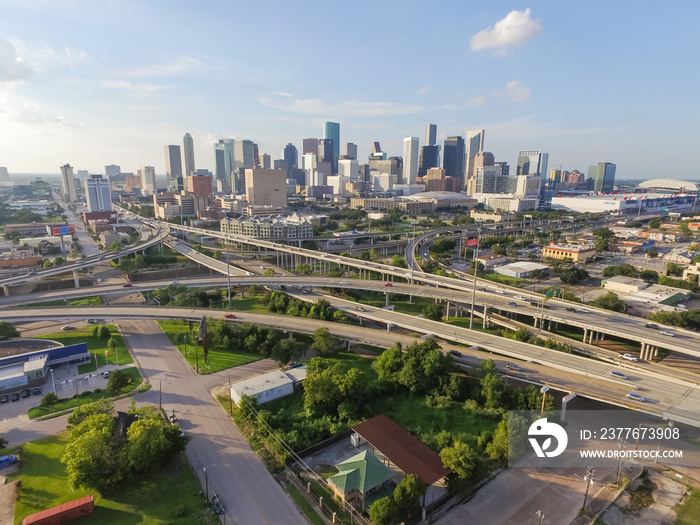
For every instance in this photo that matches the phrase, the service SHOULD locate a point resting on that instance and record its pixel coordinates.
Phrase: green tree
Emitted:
(8, 331)
(498, 249)
(115, 246)
(384, 512)
(498, 448)
(269, 272)
(623, 269)
(101, 406)
(573, 275)
(325, 343)
(104, 332)
(89, 458)
(610, 301)
(649, 276)
(303, 269)
(398, 261)
(146, 447)
(49, 400)
(388, 365)
(432, 311)
(652, 253)
(407, 496)
(118, 379)
(287, 350)
(492, 390)
(655, 223)
(674, 269)
(112, 344)
(460, 459)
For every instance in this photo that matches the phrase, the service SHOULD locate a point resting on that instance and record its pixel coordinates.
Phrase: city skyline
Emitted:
(89, 97)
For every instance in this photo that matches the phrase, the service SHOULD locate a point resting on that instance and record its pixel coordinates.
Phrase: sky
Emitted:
(111, 82)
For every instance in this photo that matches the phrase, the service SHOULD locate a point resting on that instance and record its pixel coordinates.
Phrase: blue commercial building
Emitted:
(30, 369)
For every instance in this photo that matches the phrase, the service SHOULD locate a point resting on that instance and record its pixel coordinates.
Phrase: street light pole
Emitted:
(476, 266)
(413, 248)
(228, 272)
(589, 481)
(53, 381)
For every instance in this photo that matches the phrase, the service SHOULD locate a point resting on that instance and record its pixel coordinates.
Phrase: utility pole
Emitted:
(539, 517)
(230, 399)
(206, 480)
(619, 461)
(228, 273)
(160, 394)
(476, 267)
(589, 481)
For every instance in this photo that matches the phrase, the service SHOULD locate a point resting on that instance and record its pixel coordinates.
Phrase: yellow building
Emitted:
(574, 252)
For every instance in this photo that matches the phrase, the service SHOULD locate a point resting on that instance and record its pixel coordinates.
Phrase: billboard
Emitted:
(60, 230)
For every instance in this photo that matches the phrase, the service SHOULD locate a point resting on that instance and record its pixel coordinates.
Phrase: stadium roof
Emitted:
(671, 184)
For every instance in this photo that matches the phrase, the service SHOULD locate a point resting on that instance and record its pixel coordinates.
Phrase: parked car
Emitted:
(14, 397)
(652, 325)
(667, 332)
(4, 398)
(127, 285)
(456, 353)
(36, 390)
(218, 506)
(229, 316)
(628, 357)
(68, 327)
(26, 392)
(513, 367)
(93, 321)
(618, 375)
(6, 461)
(635, 396)
(106, 374)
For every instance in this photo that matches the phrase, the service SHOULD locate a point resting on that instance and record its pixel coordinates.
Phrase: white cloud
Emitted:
(515, 29)
(16, 110)
(181, 66)
(423, 90)
(43, 57)
(517, 91)
(133, 86)
(350, 108)
(12, 67)
(477, 102)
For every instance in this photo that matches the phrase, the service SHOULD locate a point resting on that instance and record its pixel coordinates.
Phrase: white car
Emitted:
(628, 357)
(667, 332)
(500, 290)
(173, 282)
(519, 298)
(583, 311)
(635, 396)
(344, 282)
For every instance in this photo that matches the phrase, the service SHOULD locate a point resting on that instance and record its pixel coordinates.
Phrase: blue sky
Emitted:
(96, 83)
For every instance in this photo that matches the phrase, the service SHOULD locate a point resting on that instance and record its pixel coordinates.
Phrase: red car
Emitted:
(229, 316)
(127, 285)
(387, 284)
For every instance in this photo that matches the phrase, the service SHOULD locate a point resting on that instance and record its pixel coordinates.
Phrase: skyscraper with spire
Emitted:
(331, 130)
(188, 149)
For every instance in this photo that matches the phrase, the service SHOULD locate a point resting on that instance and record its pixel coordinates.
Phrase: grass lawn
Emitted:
(505, 279)
(219, 358)
(689, 512)
(304, 505)
(94, 300)
(154, 498)
(85, 398)
(96, 347)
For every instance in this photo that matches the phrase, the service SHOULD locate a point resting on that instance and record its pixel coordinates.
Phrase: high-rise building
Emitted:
(603, 176)
(131, 182)
(310, 145)
(188, 149)
(68, 180)
(291, 155)
(243, 159)
(223, 156)
(331, 130)
(264, 161)
(473, 146)
(325, 151)
(113, 169)
(98, 193)
(266, 187)
(173, 168)
(533, 162)
(349, 151)
(281, 164)
(430, 134)
(410, 160)
(148, 179)
(349, 168)
(199, 184)
(4, 175)
(429, 157)
(434, 180)
(453, 157)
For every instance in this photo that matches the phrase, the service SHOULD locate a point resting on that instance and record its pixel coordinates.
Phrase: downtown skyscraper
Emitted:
(410, 160)
(331, 130)
(68, 180)
(173, 168)
(188, 149)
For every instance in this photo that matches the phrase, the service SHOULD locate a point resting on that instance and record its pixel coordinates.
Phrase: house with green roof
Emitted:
(360, 478)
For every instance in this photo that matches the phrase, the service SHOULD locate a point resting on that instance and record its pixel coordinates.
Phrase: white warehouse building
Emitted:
(267, 387)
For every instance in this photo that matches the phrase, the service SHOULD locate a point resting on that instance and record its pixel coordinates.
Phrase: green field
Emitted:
(96, 346)
(168, 497)
(304, 505)
(689, 512)
(85, 398)
(219, 358)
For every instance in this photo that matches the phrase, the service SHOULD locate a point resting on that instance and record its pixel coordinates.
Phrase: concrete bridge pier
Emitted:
(76, 278)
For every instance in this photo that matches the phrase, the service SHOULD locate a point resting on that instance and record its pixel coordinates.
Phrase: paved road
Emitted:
(249, 493)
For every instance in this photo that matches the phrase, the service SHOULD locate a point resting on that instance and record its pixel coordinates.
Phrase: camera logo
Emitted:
(542, 427)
